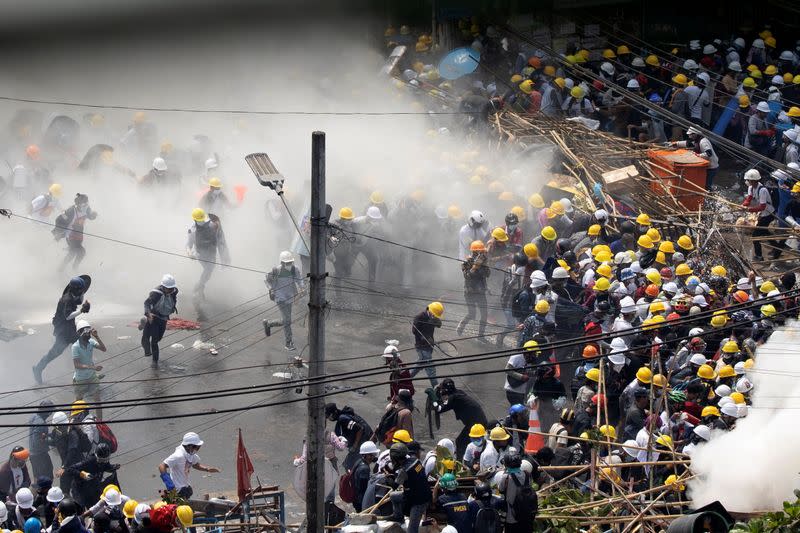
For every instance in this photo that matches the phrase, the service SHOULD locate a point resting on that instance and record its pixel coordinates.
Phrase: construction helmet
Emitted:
(603, 256)
(495, 186)
(346, 213)
(542, 307)
(623, 50)
(730, 347)
(767, 287)
(215, 182)
(657, 307)
(741, 296)
(602, 285)
(727, 371)
(477, 431)
(664, 440)
(768, 310)
(645, 242)
(436, 309)
(549, 233)
(666, 247)
(536, 200)
(685, 242)
(604, 270)
(516, 79)
(448, 481)
(198, 215)
(653, 276)
(526, 86)
(560, 82)
(549, 70)
(577, 92)
(589, 351)
(683, 270)
(737, 397)
(706, 372)
(55, 190)
(498, 433)
(608, 53)
(477, 246)
(680, 79)
(594, 230)
(593, 374)
(756, 74)
(77, 408)
(129, 508)
(531, 251)
(748, 364)
(185, 515)
(719, 270)
(499, 234)
(376, 197)
(454, 211)
(673, 483)
(794, 111)
(645, 375)
(519, 212)
(651, 290)
(652, 60)
(557, 208)
(643, 219)
(748, 83)
(654, 235)
(659, 380)
(709, 410)
(401, 435)
(608, 431)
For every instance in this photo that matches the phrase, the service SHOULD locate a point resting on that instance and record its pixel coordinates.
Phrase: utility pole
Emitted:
(315, 480)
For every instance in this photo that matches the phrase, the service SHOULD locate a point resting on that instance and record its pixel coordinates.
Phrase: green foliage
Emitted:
(785, 521)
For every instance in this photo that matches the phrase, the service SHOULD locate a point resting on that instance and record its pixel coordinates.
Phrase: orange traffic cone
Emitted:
(535, 441)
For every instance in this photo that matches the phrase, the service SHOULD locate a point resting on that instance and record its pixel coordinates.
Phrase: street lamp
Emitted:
(265, 172)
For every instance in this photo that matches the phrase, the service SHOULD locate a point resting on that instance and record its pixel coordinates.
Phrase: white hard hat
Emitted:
(112, 497)
(739, 41)
(191, 438)
(569, 83)
(690, 64)
(630, 447)
(389, 352)
(608, 68)
(24, 498)
(744, 385)
(82, 324)
(700, 300)
(620, 258)
(722, 391)
(374, 212)
(567, 203)
(159, 164)
(633, 84)
(526, 466)
(168, 281)
(703, 432)
(735, 66)
(763, 107)
(780, 175)
(441, 212)
(752, 175)
(694, 44)
(476, 217)
(670, 286)
(616, 358)
(286, 256)
(560, 273)
(60, 417)
(698, 359)
(739, 368)
(709, 49)
(627, 305)
(368, 448)
(140, 512)
(618, 343)
(538, 279)
(636, 268)
(741, 410)
(448, 445)
(705, 77)
(758, 43)
(777, 79)
(449, 529)
(638, 62)
(677, 258)
(695, 332)
(211, 163)
(601, 214)
(791, 135)
(693, 131)
(786, 55)
(730, 409)
(55, 495)
(3, 512)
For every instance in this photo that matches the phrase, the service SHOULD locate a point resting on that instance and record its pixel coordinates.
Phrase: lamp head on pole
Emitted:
(265, 172)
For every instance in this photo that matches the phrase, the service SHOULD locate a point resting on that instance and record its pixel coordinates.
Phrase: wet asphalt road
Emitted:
(273, 435)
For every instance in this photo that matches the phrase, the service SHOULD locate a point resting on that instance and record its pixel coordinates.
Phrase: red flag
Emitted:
(244, 469)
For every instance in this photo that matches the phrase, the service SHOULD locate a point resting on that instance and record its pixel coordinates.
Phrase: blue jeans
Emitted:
(415, 513)
(424, 356)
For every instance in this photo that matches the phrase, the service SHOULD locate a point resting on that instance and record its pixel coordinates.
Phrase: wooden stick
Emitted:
(618, 444)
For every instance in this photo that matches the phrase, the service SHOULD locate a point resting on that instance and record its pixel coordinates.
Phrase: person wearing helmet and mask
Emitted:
(38, 444)
(70, 225)
(759, 200)
(214, 200)
(477, 228)
(760, 134)
(175, 469)
(423, 328)
(43, 206)
(497, 447)
(413, 492)
(14, 473)
(476, 273)
(362, 471)
(517, 418)
(86, 378)
(477, 443)
(399, 375)
(513, 288)
(160, 303)
(446, 397)
(285, 284)
(88, 475)
(453, 503)
(352, 427)
(160, 175)
(513, 483)
(538, 323)
(204, 240)
(702, 147)
(519, 370)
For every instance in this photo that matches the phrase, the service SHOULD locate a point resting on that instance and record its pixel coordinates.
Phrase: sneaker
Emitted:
(37, 375)
(757, 258)
(290, 347)
(267, 327)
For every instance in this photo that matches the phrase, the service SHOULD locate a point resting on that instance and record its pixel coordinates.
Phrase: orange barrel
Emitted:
(688, 168)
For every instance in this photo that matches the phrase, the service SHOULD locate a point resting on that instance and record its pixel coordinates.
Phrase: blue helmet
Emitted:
(626, 274)
(77, 283)
(655, 98)
(33, 525)
(516, 409)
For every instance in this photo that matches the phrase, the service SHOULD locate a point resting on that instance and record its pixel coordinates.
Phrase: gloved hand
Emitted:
(85, 307)
(167, 479)
(85, 475)
(115, 467)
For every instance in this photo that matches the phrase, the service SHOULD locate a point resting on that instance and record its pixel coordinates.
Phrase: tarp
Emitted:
(459, 62)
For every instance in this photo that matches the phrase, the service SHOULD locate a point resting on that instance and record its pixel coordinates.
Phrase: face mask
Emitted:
(511, 228)
(617, 368)
(216, 192)
(477, 442)
(513, 470)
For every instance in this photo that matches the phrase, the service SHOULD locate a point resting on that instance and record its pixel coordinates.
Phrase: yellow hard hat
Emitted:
(608, 53)
(796, 79)
(680, 79)
(661, 259)
(530, 346)
(730, 347)
(159, 504)
(767, 287)
(549, 233)
(563, 264)
(436, 309)
(608, 431)
(604, 270)
(706, 372)
(78, 407)
(198, 215)
(215, 182)
(542, 307)
(593, 374)
(526, 86)
(496, 186)
(756, 74)
(557, 208)
(673, 483)
(402, 435)
(516, 79)
(498, 433)
(657, 307)
(519, 212)
(506, 196)
(602, 256)
(622, 50)
(654, 235)
(709, 410)
(720, 320)
(576, 92)
(770, 41)
(748, 83)
(584, 53)
(454, 211)
(768, 310)
(645, 375)
(666, 247)
(796, 187)
(748, 364)
(771, 70)
(737, 397)
(560, 82)
(167, 147)
(536, 200)
(421, 47)
(643, 219)
(652, 60)
(346, 213)
(129, 508)
(530, 250)
(376, 197)
(727, 371)
(683, 270)
(570, 59)
(654, 277)
(602, 285)
(685, 242)
(55, 190)
(664, 440)
(594, 230)
(645, 242)
(719, 270)
(477, 431)
(549, 70)
(788, 77)
(794, 112)
(499, 234)
(475, 179)
(185, 515)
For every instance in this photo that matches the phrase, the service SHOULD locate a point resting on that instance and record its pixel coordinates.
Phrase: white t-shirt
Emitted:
(180, 464)
(516, 361)
(763, 197)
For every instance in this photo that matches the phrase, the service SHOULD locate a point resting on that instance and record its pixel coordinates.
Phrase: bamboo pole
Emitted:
(594, 441)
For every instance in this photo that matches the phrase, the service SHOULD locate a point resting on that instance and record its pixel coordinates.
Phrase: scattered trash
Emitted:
(30, 331)
(182, 323)
(200, 345)
(282, 375)
(108, 327)
(213, 351)
(177, 346)
(123, 337)
(8, 335)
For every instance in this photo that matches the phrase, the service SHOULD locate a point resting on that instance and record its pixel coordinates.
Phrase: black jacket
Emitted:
(466, 409)
(423, 327)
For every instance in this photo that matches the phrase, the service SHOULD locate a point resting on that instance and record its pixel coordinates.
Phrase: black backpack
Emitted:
(387, 426)
(526, 502)
(518, 308)
(487, 519)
